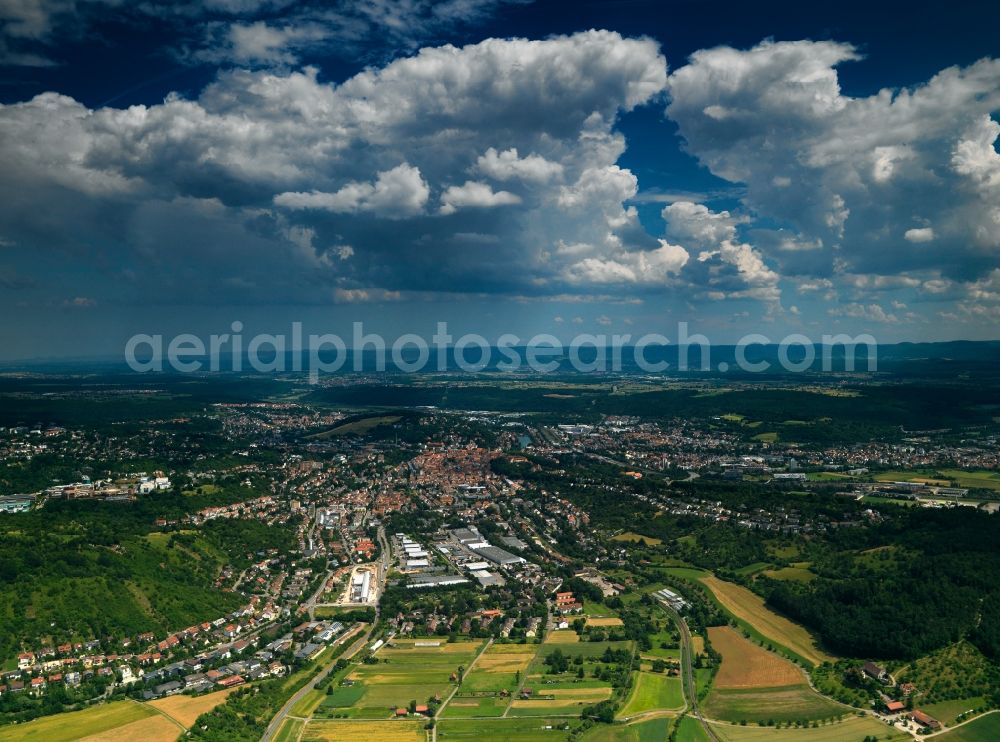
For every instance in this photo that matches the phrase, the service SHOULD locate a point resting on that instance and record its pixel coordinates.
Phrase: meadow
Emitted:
(853, 728)
(986, 728)
(756, 685)
(652, 730)
(653, 691)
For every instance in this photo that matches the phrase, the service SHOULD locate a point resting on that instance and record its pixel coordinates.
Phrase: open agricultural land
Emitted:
(561, 679)
(853, 728)
(399, 674)
(650, 730)
(748, 606)
(758, 686)
(396, 730)
(104, 723)
(535, 729)
(653, 691)
(488, 688)
(186, 709)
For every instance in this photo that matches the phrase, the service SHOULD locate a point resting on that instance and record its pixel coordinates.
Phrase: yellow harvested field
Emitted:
(606, 621)
(562, 637)
(698, 643)
(364, 731)
(76, 724)
(745, 665)
(504, 662)
(557, 703)
(750, 607)
(188, 708)
(570, 694)
(153, 729)
(510, 649)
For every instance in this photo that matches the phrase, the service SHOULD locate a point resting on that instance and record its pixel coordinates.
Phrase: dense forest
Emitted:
(935, 584)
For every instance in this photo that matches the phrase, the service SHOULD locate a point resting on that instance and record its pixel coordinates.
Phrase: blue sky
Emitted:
(611, 167)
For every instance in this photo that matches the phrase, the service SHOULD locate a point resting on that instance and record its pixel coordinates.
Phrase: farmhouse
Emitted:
(924, 720)
(875, 672)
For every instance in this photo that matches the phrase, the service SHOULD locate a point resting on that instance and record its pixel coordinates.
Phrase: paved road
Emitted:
(279, 718)
(687, 672)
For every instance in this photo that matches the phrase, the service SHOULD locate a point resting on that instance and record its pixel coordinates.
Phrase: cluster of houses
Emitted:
(894, 707)
(72, 662)
(566, 603)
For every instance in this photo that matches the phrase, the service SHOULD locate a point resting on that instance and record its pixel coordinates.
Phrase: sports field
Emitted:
(396, 730)
(750, 607)
(403, 673)
(984, 729)
(77, 724)
(853, 728)
(651, 691)
(755, 685)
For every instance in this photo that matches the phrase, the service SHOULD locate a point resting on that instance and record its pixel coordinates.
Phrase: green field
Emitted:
(289, 730)
(77, 724)
(462, 707)
(946, 711)
(689, 729)
(502, 730)
(653, 730)
(977, 478)
(984, 729)
(854, 728)
(653, 691)
(973, 479)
